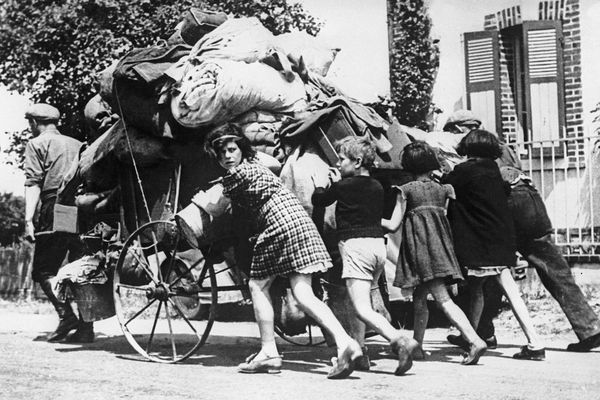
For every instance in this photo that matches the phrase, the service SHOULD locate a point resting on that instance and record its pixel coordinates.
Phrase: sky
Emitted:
(361, 68)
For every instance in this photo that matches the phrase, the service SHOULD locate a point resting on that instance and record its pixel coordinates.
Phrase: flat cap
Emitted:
(42, 112)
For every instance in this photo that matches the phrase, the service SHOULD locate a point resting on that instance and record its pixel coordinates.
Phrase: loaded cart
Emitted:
(173, 262)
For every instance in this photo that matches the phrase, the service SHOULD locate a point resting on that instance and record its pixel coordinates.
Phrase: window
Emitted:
(533, 73)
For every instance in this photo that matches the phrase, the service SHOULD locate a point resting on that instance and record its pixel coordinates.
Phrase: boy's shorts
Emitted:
(363, 258)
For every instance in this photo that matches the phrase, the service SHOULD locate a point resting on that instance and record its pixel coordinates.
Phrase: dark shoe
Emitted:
(586, 344)
(461, 342)
(67, 321)
(363, 363)
(418, 354)
(83, 334)
(475, 352)
(458, 341)
(491, 342)
(527, 354)
(269, 365)
(65, 325)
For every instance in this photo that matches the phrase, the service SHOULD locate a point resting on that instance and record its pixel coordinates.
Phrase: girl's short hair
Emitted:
(221, 135)
(418, 158)
(354, 147)
(480, 143)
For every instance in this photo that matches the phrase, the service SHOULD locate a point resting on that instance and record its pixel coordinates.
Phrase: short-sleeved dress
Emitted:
(288, 240)
(426, 251)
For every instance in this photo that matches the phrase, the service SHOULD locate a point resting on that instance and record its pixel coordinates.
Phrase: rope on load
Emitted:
(135, 168)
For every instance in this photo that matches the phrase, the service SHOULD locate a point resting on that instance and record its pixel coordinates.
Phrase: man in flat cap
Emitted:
(48, 156)
(535, 243)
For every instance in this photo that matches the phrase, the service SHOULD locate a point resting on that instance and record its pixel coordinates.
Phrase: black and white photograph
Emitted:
(300, 199)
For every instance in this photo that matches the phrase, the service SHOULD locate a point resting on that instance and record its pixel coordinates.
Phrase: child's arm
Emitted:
(325, 193)
(392, 224)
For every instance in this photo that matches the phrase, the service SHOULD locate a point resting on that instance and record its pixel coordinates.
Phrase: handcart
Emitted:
(165, 303)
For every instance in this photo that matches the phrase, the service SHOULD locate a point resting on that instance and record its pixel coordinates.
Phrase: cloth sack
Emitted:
(238, 39)
(217, 91)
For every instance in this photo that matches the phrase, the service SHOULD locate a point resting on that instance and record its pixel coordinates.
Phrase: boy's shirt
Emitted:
(359, 206)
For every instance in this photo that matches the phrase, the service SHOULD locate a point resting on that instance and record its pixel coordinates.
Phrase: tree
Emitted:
(53, 49)
(414, 60)
(12, 218)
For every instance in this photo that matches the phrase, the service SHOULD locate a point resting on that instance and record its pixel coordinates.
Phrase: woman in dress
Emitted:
(287, 244)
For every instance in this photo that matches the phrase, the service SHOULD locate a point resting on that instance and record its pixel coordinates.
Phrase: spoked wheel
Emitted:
(151, 288)
(312, 337)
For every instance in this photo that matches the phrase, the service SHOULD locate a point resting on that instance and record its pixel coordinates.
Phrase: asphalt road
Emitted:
(110, 369)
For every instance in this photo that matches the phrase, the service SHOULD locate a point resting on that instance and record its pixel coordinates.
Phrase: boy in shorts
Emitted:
(358, 214)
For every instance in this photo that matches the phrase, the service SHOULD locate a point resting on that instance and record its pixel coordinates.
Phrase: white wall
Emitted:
(590, 58)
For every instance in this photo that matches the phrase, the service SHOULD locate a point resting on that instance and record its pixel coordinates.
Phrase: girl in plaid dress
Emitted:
(288, 244)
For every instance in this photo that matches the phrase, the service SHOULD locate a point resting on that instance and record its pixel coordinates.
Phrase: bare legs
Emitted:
(519, 308)
(517, 304)
(301, 285)
(263, 312)
(421, 312)
(360, 295)
(302, 289)
(458, 318)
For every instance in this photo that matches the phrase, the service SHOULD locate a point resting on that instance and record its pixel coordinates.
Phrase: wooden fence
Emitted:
(15, 271)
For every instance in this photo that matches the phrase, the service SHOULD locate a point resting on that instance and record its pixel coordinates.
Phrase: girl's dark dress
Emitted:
(426, 251)
(480, 219)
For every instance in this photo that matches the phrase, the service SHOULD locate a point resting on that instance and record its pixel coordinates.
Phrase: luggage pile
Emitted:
(216, 69)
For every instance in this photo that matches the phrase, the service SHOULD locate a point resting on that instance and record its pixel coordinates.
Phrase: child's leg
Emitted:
(421, 312)
(519, 308)
(476, 300)
(348, 349)
(360, 295)
(456, 316)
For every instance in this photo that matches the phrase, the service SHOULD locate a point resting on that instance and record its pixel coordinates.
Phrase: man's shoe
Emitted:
(65, 325)
(83, 334)
(363, 363)
(459, 341)
(527, 354)
(586, 344)
(491, 342)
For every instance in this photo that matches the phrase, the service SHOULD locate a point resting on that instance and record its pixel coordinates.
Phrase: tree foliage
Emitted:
(53, 49)
(414, 61)
(12, 218)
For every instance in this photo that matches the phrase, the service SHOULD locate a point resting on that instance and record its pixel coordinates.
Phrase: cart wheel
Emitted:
(308, 339)
(150, 286)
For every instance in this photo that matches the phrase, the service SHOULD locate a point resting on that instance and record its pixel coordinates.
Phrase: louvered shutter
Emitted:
(544, 79)
(482, 69)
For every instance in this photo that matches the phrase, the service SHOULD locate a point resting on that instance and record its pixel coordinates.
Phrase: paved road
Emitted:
(110, 369)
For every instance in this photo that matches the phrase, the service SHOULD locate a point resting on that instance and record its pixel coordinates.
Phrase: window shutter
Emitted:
(482, 69)
(544, 79)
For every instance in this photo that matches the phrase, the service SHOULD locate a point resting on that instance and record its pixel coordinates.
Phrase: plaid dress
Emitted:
(288, 240)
